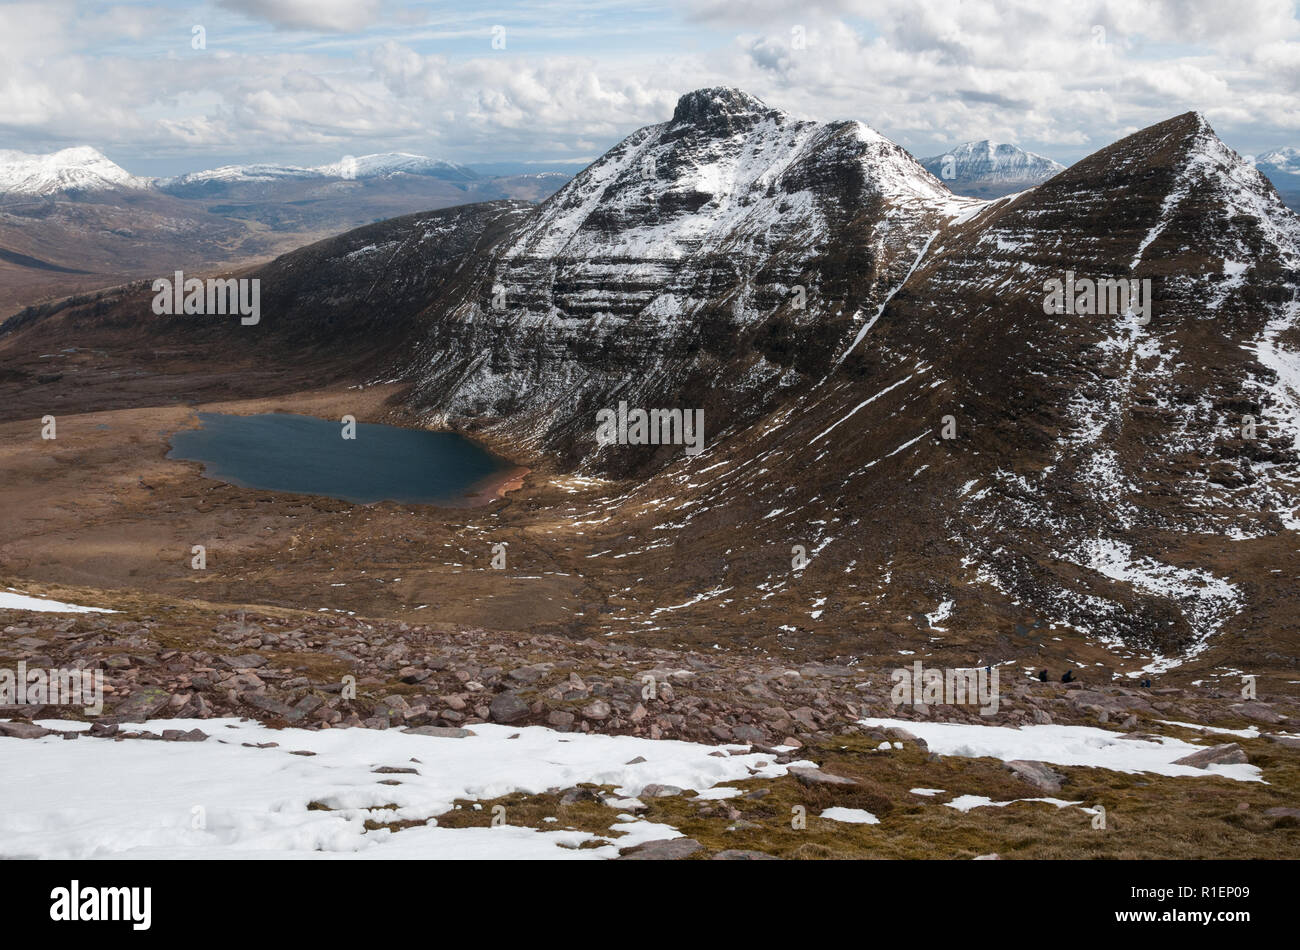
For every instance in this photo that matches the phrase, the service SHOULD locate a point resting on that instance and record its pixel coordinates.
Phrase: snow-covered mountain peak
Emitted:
(385, 165)
(1285, 160)
(728, 215)
(726, 170)
(991, 163)
(80, 168)
(261, 172)
(719, 102)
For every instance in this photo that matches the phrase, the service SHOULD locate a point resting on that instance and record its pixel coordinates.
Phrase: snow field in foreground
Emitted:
(220, 798)
(98, 798)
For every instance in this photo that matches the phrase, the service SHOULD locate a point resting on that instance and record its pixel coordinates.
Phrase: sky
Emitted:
(168, 87)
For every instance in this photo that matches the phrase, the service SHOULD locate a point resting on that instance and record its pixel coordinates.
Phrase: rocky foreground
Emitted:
(865, 786)
(343, 672)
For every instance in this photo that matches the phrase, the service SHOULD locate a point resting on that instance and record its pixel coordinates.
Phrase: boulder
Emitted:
(597, 709)
(746, 733)
(508, 707)
(245, 661)
(1037, 774)
(180, 735)
(660, 791)
(560, 719)
(143, 703)
(271, 705)
(671, 849)
(438, 732)
(1227, 754)
(578, 794)
(22, 730)
(807, 775)
(1260, 712)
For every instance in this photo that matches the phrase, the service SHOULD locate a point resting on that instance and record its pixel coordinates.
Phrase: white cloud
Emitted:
(1061, 78)
(329, 15)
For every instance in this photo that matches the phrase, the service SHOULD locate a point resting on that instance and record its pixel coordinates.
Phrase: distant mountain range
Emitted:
(1282, 167)
(86, 169)
(73, 220)
(1282, 161)
(987, 169)
(387, 165)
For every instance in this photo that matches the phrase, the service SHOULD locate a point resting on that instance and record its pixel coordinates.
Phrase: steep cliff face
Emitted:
(711, 261)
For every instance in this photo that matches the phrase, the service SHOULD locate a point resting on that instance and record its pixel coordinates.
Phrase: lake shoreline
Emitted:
(295, 453)
(496, 487)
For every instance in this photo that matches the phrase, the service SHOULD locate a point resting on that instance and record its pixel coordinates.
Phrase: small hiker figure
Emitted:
(1042, 676)
(1146, 683)
(1068, 677)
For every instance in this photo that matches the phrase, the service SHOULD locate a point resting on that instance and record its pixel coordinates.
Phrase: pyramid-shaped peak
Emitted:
(1187, 126)
(719, 101)
(1170, 146)
(988, 147)
(1182, 141)
(1188, 122)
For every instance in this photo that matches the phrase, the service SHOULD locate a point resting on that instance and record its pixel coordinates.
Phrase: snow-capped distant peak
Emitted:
(71, 169)
(349, 168)
(1285, 160)
(990, 162)
(387, 164)
(244, 173)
